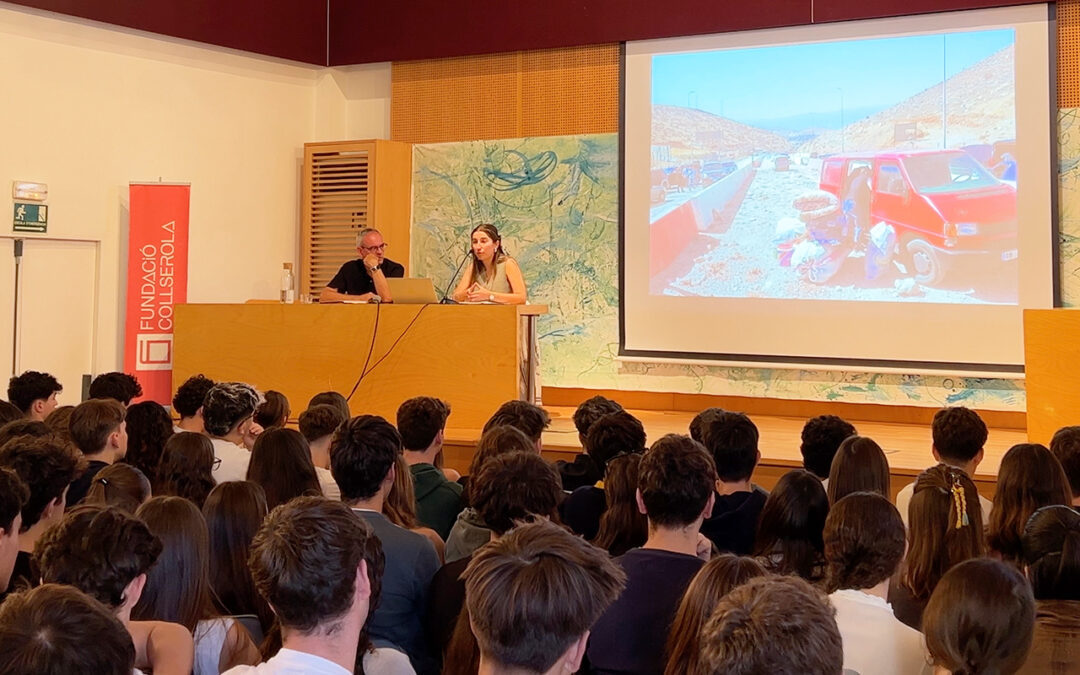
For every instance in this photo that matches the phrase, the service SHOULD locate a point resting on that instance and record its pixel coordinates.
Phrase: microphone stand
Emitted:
(446, 299)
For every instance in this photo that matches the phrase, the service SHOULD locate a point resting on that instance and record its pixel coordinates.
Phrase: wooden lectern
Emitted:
(1051, 363)
(474, 357)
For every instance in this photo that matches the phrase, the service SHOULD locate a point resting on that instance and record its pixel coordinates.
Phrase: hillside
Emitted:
(684, 128)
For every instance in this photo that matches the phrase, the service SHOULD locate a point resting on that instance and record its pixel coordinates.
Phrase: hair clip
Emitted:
(103, 481)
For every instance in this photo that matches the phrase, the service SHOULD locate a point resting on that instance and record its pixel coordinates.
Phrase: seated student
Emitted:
(13, 496)
(9, 412)
(675, 488)
(612, 435)
(980, 619)
(331, 398)
(777, 624)
(732, 439)
(188, 403)
(859, 466)
(320, 567)
(528, 418)
(59, 629)
(34, 394)
(120, 485)
(281, 464)
(421, 421)
(719, 577)
(509, 488)
(821, 437)
(701, 422)
(789, 536)
(46, 467)
(623, 526)
(1052, 563)
(274, 410)
(583, 470)
(959, 435)
(362, 459)
(1030, 477)
(227, 415)
(59, 422)
(1066, 447)
(864, 546)
(399, 507)
(318, 424)
(149, 428)
(116, 386)
(98, 429)
(25, 427)
(541, 576)
(187, 467)
(106, 553)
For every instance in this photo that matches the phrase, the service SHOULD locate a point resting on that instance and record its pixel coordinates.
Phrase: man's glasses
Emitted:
(380, 247)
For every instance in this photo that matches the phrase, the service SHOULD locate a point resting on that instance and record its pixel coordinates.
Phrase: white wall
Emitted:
(89, 108)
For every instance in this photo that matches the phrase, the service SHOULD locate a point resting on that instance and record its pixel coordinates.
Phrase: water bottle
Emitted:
(288, 290)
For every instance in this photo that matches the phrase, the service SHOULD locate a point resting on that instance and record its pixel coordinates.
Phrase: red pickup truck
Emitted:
(943, 204)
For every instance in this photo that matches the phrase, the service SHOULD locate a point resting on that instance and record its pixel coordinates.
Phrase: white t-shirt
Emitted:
(329, 486)
(289, 662)
(210, 637)
(903, 500)
(874, 640)
(234, 461)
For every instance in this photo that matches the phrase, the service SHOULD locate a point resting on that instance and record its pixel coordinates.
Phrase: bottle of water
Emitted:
(288, 290)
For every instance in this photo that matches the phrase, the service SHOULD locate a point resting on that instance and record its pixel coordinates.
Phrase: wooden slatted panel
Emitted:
(1068, 53)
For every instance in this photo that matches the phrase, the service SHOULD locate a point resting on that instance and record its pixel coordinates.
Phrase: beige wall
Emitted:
(89, 108)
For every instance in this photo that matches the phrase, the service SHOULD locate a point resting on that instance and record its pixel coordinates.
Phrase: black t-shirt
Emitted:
(581, 511)
(353, 279)
(81, 485)
(445, 600)
(732, 526)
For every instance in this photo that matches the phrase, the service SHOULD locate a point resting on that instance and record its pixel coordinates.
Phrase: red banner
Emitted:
(157, 275)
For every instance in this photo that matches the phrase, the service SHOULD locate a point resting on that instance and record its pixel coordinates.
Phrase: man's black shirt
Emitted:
(353, 279)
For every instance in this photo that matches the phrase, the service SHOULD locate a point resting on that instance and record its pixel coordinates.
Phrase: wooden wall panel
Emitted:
(1068, 53)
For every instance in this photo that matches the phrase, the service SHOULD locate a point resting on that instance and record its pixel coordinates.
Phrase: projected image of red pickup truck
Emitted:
(950, 214)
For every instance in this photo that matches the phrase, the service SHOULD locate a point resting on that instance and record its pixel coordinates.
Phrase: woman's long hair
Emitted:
(859, 465)
(622, 526)
(1030, 477)
(400, 506)
(186, 468)
(149, 427)
(1052, 553)
(479, 272)
(281, 464)
(789, 536)
(120, 485)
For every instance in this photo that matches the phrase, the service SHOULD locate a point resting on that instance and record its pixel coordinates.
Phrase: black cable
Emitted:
(371, 349)
(392, 346)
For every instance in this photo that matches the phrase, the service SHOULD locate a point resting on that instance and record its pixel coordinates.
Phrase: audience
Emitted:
(789, 537)
(25, 427)
(959, 435)
(59, 422)
(273, 412)
(13, 497)
(227, 415)
(864, 546)
(858, 466)
(281, 464)
(1030, 477)
(676, 491)
(772, 625)
(732, 440)
(116, 386)
(540, 577)
(178, 587)
(421, 421)
(331, 398)
(1052, 562)
(715, 580)
(701, 422)
(9, 412)
(149, 428)
(400, 507)
(318, 424)
(821, 438)
(945, 529)
(528, 418)
(34, 394)
(57, 629)
(187, 467)
(120, 485)
(98, 429)
(623, 526)
(188, 403)
(583, 470)
(362, 460)
(980, 619)
(1066, 447)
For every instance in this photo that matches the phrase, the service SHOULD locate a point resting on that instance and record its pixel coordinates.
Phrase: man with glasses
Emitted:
(362, 279)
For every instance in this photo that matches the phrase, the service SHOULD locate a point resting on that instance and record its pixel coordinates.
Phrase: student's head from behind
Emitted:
(791, 525)
(281, 464)
(700, 424)
(331, 398)
(59, 421)
(1052, 553)
(186, 468)
(777, 624)
(859, 466)
(25, 427)
(116, 386)
(100, 550)
(420, 421)
(310, 561)
(959, 436)
(13, 495)
(945, 527)
(980, 619)
(273, 411)
(676, 482)
(234, 512)
(499, 440)
(190, 395)
(320, 421)
(1030, 477)
(1066, 447)
(55, 629)
(590, 410)
(97, 426)
(228, 406)
(47, 467)
(532, 596)
(34, 393)
(527, 417)
(614, 434)
(821, 437)
(9, 412)
(864, 542)
(732, 440)
(362, 457)
(120, 485)
(515, 487)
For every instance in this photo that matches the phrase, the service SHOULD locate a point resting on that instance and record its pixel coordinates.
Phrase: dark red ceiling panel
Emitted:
(845, 10)
(365, 31)
(288, 29)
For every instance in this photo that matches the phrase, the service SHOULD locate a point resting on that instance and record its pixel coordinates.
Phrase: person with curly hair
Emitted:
(34, 394)
(117, 386)
(149, 427)
(821, 438)
(188, 403)
(186, 468)
(228, 412)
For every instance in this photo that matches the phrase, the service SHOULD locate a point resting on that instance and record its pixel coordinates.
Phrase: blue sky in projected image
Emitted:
(765, 83)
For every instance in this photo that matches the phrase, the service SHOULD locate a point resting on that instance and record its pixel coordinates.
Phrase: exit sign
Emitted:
(30, 217)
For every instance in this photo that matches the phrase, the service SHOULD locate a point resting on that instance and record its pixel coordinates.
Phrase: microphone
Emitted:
(446, 299)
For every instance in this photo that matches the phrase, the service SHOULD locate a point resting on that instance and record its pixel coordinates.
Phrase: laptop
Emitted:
(412, 291)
